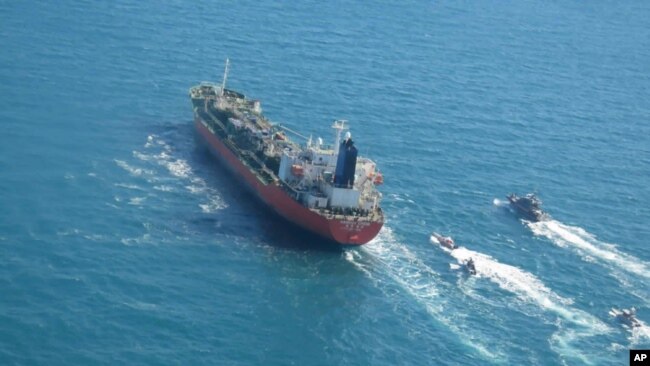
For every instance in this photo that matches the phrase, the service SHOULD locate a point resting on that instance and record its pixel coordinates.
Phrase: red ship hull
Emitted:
(347, 231)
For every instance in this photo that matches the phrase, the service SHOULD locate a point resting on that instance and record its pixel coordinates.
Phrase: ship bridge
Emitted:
(311, 173)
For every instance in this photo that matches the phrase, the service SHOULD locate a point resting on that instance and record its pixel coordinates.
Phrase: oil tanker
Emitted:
(329, 190)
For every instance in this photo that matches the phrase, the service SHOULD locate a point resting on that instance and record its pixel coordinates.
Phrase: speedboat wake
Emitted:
(524, 285)
(587, 244)
(529, 289)
(422, 283)
(639, 330)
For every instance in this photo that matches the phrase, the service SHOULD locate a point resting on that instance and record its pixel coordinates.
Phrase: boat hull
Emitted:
(445, 242)
(527, 213)
(345, 231)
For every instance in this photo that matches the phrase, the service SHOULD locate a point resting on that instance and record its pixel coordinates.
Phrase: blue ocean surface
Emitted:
(122, 241)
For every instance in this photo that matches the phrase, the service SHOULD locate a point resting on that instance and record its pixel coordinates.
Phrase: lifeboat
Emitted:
(379, 179)
(297, 170)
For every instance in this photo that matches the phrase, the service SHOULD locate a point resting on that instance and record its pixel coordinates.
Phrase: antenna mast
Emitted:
(339, 126)
(225, 76)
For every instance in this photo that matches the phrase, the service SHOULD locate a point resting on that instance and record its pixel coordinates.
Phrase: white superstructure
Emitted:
(311, 170)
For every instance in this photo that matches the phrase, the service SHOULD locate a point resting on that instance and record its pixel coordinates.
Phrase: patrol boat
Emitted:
(528, 207)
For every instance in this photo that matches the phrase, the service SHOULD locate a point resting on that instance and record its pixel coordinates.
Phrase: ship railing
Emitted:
(264, 172)
(262, 168)
(330, 213)
(370, 217)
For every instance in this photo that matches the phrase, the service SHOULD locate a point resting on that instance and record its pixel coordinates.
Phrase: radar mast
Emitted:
(225, 76)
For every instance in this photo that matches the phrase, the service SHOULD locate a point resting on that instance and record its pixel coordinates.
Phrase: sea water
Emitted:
(123, 242)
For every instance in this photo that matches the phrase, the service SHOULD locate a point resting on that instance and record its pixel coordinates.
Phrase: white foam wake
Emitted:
(530, 289)
(587, 244)
(150, 139)
(179, 168)
(137, 201)
(640, 335)
(527, 287)
(421, 282)
(131, 169)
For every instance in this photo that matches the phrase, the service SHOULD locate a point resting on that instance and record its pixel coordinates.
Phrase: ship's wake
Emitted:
(530, 290)
(160, 175)
(158, 153)
(638, 334)
(527, 287)
(587, 245)
(421, 282)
